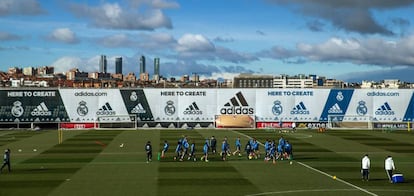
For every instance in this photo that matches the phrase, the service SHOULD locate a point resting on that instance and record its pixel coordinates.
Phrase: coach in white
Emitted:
(366, 164)
(389, 167)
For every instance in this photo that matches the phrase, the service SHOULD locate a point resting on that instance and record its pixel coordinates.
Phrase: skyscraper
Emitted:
(142, 65)
(102, 64)
(118, 65)
(157, 66)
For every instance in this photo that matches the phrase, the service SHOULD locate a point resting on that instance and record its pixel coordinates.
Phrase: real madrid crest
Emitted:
(339, 96)
(169, 108)
(82, 108)
(362, 108)
(133, 96)
(17, 109)
(277, 108)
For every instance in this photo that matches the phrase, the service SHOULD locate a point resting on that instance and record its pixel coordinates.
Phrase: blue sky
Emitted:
(351, 40)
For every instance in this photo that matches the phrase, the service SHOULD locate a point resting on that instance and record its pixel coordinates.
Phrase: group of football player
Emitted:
(184, 150)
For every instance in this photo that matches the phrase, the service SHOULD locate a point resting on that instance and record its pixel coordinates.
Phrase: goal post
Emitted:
(116, 122)
(349, 122)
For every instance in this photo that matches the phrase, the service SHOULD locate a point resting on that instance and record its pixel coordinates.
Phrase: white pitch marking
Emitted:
(301, 191)
(340, 180)
(321, 172)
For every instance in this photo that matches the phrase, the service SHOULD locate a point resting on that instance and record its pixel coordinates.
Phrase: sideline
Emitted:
(338, 179)
(301, 191)
(319, 171)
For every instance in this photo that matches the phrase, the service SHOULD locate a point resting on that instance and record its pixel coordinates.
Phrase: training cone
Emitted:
(159, 156)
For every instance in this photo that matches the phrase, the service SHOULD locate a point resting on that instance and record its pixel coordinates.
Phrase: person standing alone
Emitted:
(6, 160)
(148, 150)
(389, 167)
(366, 164)
(213, 145)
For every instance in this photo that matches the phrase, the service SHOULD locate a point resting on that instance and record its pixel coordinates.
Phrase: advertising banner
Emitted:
(31, 106)
(196, 105)
(360, 107)
(336, 104)
(92, 105)
(409, 113)
(390, 126)
(236, 102)
(389, 105)
(163, 104)
(273, 105)
(136, 104)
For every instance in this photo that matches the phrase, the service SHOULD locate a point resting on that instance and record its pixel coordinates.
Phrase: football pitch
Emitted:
(91, 162)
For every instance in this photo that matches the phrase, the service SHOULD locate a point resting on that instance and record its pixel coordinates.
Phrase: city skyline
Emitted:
(350, 40)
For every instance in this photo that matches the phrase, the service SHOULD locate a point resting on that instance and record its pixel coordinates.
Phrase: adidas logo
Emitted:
(385, 109)
(335, 109)
(193, 110)
(239, 100)
(41, 110)
(106, 110)
(300, 109)
(237, 105)
(138, 109)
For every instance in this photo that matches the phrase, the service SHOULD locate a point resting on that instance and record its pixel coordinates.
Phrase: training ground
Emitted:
(91, 162)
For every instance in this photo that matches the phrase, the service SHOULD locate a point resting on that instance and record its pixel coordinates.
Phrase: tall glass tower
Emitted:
(102, 64)
(142, 65)
(157, 66)
(118, 65)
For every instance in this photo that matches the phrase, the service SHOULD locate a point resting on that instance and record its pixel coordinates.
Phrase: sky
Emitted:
(349, 40)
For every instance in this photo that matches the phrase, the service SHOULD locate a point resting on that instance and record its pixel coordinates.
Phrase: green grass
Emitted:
(92, 163)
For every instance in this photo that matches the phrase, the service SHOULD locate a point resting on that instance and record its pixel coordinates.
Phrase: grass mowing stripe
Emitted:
(10, 137)
(39, 175)
(123, 171)
(301, 191)
(319, 171)
(340, 180)
(201, 182)
(192, 178)
(378, 142)
(191, 169)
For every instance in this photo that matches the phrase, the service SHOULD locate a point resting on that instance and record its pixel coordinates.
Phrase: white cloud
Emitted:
(64, 35)
(198, 47)
(194, 43)
(158, 4)
(163, 4)
(369, 51)
(20, 7)
(348, 15)
(114, 16)
(189, 47)
(63, 64)
(66, 63)
(357, 51)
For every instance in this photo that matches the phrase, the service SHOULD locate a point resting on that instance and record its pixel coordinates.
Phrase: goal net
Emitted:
(116, 122)
(349, 122)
